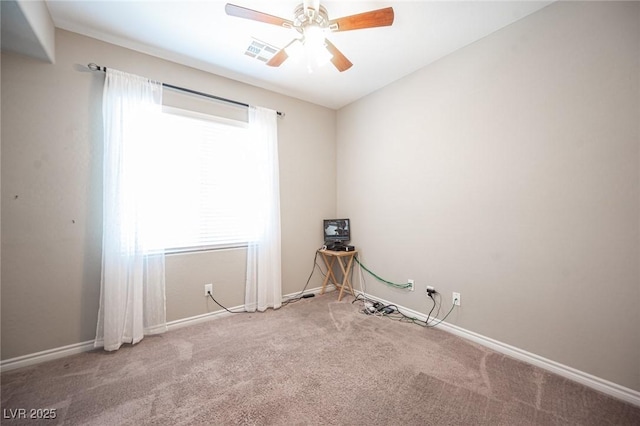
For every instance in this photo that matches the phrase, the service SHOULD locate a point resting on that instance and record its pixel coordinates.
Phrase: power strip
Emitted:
(372, 308)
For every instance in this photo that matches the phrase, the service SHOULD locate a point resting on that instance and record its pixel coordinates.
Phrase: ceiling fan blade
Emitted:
(339, 60)
(281, 55)
(254, 15)
(374, 18)
(278, 58)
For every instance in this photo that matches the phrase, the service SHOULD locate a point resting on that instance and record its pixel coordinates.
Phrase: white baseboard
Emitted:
(185, 322)
(330, 287)
(44, 356)
(222, 313)
(615, 390)
(76, 348)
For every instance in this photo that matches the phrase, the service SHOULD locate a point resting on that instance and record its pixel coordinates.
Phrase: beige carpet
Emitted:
(314, 362)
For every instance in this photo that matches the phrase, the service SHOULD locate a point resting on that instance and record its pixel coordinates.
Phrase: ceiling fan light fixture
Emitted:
(313, 36)
(323, 57)
(316, 62)
(315, 47)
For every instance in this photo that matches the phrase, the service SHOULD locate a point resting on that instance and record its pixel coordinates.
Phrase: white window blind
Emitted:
(207, 189)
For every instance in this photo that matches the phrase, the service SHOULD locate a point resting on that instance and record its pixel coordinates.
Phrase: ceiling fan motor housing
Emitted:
(309, 16)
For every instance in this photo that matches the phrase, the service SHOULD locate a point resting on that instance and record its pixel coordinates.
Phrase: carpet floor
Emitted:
(314, 362)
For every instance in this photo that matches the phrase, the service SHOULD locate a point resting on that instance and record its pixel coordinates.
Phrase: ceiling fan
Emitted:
(312, 21)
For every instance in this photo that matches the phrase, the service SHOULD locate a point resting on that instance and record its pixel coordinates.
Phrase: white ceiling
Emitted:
(201, 35)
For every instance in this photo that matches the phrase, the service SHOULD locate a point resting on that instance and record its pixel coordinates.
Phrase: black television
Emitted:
(336, 231)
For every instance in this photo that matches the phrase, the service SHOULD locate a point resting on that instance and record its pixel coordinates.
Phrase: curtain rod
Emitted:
(94, 67)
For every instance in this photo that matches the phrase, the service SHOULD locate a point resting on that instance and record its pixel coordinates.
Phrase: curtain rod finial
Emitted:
(93, 67)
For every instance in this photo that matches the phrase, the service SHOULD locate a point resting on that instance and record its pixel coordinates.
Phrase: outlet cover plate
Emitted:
(456, 298)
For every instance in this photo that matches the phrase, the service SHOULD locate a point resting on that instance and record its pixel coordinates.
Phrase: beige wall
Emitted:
(51, 194)
(509, 172)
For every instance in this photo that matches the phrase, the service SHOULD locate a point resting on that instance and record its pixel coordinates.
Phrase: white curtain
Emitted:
(132, 293)
(264, 283)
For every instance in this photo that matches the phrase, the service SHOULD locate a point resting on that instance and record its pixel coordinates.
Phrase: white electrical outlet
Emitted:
(412, 286)
(456, 298)
(208, 288)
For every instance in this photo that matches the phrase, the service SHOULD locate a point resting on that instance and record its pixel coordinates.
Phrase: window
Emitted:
(205, 192)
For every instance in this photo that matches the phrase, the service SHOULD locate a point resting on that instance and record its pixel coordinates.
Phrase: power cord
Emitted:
(432, 307)
(453, 305)
(223, 307)
(301, 295)
(392, 312)
(297, 297)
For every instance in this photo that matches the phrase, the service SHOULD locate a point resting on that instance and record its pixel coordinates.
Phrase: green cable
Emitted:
(389, 283)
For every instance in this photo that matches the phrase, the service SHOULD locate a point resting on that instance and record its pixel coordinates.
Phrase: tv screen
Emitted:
(337, 230)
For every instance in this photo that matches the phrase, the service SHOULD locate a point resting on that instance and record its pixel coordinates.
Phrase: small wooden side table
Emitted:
(345, 260)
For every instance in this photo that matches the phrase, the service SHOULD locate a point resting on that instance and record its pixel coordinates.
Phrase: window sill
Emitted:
(188, 250)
